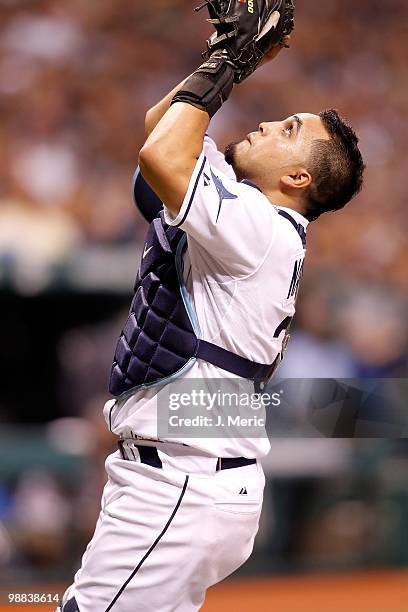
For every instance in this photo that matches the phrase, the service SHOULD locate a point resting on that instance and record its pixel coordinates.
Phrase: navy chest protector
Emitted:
(160, 339)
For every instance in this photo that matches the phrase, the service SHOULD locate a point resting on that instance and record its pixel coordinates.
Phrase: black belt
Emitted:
(150, 456)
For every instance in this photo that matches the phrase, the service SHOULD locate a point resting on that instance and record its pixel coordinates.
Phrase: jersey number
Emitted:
(292, 293)
(283, 326)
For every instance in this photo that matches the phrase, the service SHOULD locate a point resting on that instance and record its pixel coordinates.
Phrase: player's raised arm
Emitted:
(146, 200)
(168, 158)
(170, 153)
(157, 111)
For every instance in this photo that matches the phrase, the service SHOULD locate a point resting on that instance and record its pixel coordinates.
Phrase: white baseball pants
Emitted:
(165, 535)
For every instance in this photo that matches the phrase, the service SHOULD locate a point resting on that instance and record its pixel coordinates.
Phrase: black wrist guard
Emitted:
(209, 86)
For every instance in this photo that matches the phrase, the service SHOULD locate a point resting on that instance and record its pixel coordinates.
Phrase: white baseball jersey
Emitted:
(241, 272)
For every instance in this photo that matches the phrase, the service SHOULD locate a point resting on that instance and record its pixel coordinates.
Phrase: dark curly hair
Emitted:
(337, 168)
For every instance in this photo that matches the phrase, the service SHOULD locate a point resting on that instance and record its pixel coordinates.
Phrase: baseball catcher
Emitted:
(215, 294)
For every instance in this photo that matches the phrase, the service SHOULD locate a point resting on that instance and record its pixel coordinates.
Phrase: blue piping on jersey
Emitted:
(298, 226)
(187, 304)
(193, 193)
(250, 184)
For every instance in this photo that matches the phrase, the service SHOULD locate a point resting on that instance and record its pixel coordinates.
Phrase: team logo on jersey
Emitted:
(206, 180)
(243, 491)
(223, 193)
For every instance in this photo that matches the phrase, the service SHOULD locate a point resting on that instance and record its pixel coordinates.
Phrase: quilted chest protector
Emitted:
(158, 339)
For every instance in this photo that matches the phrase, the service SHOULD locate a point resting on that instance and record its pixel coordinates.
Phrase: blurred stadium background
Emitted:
(75, 80)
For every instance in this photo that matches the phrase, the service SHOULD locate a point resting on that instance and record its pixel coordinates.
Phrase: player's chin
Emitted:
(233, 152)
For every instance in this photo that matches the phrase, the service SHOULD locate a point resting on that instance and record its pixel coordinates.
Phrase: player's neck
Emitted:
(281, 199)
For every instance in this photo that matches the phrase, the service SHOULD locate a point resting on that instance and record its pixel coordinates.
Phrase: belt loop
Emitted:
(218, 468)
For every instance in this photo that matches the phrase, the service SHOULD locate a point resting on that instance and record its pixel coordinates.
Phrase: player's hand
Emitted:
(274, 52)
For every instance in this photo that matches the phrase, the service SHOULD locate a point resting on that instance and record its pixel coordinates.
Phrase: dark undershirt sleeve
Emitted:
(144, 197)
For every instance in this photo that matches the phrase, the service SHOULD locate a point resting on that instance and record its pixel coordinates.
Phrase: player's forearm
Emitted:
(206, 88)
(168, 158)
(171, 151)
(157, 112)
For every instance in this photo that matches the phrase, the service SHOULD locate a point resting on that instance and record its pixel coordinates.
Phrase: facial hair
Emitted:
(230, 158)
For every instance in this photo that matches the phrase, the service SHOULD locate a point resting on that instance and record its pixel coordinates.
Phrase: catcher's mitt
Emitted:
(247, 29)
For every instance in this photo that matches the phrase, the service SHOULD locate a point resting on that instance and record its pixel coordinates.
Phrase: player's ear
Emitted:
(299, 179)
